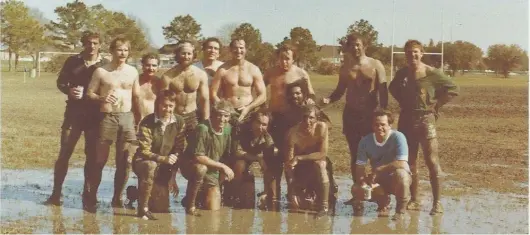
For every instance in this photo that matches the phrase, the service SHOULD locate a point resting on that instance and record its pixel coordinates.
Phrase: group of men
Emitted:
(209, 119)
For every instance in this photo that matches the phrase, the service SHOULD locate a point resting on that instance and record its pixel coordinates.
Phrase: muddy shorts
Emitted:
(117, 123)
(191, 120)
(278, 129)
(356, 123)
(76, 118)
(211, 179)
(417, 126)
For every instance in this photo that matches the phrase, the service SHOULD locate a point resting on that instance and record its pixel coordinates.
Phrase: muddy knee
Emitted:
(146, 170)
(199, 171)
(403, 178)
(322, 171)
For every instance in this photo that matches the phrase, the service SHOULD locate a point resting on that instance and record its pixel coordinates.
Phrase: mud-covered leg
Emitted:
(430, 153)
(69, 138)
(146, 176)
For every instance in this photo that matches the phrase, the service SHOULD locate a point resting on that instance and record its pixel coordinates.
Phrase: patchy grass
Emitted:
(483, 134)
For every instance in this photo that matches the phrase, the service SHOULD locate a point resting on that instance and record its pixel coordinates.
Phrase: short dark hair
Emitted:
(260, 113)
(413, 43)
(234, 40)
(122, 39)
(383, 112)
(302, 83)
(306, 109)
(211, 39)
(165, 95)
(285, 47)
(87, 35)
(150, 55)
(353, 37)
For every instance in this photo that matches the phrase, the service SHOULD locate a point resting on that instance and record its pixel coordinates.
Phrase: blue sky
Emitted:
(482, 22)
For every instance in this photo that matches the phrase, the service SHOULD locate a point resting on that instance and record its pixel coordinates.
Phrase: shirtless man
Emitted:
(210, 53)
(278, 78)
(114, 86)
(421, 91)
(235, 81)
(305, 161)
(188, 82)
(365, 81)
(148, 87)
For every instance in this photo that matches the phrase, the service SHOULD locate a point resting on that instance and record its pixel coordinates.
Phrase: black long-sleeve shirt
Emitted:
(76, 73)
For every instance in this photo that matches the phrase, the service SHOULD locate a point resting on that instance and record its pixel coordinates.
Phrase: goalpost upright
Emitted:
(400, 52)
(50, 52)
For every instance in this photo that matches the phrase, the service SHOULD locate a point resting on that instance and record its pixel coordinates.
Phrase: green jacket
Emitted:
(155, 144)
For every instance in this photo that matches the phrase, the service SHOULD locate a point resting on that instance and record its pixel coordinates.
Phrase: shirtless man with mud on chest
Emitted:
(235, 80)
(149, 85)
(364, 81)
(114, 86)
(188, 82)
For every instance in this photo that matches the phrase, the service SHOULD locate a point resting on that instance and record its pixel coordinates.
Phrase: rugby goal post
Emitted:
(442, 65)
(39, 56)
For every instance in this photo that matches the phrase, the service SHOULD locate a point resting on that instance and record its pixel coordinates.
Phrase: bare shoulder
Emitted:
(225, 66)
(199, 73)
(131, 69)
(321, 128)
(376, 63)
(169, 74)
(302, 72)
(252, 67)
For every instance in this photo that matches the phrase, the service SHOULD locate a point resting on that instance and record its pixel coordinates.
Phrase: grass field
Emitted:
(483, 134)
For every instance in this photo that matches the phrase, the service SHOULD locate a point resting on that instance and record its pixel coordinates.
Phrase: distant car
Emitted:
(512, 73)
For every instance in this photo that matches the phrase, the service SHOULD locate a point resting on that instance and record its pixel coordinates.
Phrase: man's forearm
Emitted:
(257, 102)
(205, 106)
(391, 166)
(209, 162)
(311, 157)
(360, 175)
(383, 95)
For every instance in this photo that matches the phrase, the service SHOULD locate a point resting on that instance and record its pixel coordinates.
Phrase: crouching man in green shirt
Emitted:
(201, 162)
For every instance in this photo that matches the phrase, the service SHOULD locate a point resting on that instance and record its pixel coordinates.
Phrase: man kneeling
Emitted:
(253, 143)
(161, 139)
(307, 146)
(207, 147)
(388, 154)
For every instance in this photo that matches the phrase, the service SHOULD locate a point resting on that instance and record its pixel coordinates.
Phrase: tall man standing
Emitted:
(188, 82)
(364, 80)
(149, 84)
(80, 115)
(236, 79)
(421, 91)
(114, 86)
(210, 53)
(278, 77)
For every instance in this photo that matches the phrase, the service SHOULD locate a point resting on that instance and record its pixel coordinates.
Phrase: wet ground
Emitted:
(23, 191)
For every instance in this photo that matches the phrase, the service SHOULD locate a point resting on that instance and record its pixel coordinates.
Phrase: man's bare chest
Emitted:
(238, 76)
(184, 82)
(121, 80)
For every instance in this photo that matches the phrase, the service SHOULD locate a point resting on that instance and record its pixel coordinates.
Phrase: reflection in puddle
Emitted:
(23, 191)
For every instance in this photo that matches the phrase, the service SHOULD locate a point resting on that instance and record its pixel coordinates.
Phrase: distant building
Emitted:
(330, 53)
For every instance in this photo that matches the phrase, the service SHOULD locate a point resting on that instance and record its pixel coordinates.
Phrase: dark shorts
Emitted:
(417, 126)
(77, 118)
(114, 124)
(278, 129)
(356, 123)
(191, 120)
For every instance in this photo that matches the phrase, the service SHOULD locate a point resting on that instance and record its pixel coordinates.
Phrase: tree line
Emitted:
(26, 32)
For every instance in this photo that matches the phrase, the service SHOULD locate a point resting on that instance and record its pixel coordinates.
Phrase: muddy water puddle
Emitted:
(22, 193)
